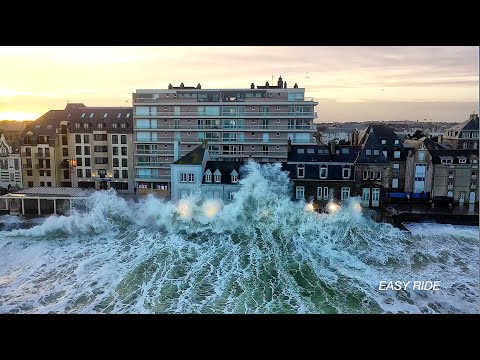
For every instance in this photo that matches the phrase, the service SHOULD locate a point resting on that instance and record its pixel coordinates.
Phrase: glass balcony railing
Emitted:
(173, 114)
(229, 141)
(245, 127)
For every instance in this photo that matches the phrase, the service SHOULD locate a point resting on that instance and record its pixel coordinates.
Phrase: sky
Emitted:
(350, 83)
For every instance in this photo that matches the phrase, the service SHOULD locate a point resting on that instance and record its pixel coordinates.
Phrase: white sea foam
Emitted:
(262, 252)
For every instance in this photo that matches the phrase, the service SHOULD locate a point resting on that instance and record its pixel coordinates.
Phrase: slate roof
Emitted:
(225, 167)
(312, 172)
(429, 144)
(468, 153)
(468, 125)
(319, 154)
(194, 157)
(105, 115)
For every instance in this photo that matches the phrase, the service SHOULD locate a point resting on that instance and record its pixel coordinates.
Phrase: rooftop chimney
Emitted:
(252, 86)
(280, 82)
(295, 86)
(289, 146)
(182, 85)
(267, 84)
(199, 86)
(285, 85)
(170, 86)
(332, 147)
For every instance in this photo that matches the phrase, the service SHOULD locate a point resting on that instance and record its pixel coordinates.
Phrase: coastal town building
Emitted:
(381, 164)
(321, 173)
(464, 135)
(239, 124)
(80, 146)
(100, 146)
(214, 179)
(10, 164)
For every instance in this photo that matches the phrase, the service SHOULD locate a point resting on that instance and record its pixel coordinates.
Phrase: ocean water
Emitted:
(261, 253)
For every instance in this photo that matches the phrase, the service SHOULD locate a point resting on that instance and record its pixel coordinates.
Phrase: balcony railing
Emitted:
(243, 127)
(43, 167)
(193, 114)
(151, 164)
(27, 166)
(220, 141)
(156, 152)
(141, 100)
(26, 155)
(42, 155)
(156, 177)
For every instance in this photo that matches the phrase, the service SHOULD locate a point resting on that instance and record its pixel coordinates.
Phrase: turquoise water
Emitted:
(262, 253)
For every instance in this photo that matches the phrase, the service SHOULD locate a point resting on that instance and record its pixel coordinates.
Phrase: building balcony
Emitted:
(224, 141)
(247, 114)
(200, 102)
(42, 155)
(152, 177)
(150, 164)
(153, 152)
(43, 167)
(244, 127)
(26, 155)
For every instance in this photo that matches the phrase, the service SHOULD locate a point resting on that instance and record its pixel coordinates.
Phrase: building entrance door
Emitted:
(103, 185)
(471, 199)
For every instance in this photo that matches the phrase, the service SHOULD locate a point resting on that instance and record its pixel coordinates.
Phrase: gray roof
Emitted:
(321, 153)
(54, 191)
(468, 125)
(194, 157)
(226, 168)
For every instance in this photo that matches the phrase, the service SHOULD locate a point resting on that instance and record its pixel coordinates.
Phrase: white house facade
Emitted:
(10, 165)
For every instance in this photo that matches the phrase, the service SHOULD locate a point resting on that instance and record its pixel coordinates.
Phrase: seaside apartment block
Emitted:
(237, 124)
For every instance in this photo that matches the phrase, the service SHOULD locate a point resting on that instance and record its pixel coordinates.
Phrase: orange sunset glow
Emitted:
(350, 83)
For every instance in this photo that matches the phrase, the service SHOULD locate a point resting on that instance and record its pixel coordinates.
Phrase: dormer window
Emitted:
(323, 171)
(234, 176)
(368, 152)
(384, 141)
(300, 171)
(83, 115)
(78, 126)
(91, 115)
(376, 152)
(114, 125)
(128, 115)
(346, 171)
(217, 176)
(100, 125)
(397, 142)
(208, 176)
(105, 115)
(119, 114)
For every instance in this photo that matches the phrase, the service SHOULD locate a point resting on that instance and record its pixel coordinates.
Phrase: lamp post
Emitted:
(72, 164)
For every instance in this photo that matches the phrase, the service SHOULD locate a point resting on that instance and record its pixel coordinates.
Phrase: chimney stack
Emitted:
(295, 86)
(280, 82)
(285, 85)
(199, 86)
(289, 148)
(332, 147)
(252, 86)
(170, 86)
(182, 85)
(267, 84)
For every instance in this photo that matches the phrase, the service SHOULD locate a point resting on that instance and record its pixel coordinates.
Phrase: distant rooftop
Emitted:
(194, 157)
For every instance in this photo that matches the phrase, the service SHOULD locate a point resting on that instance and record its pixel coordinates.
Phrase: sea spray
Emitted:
(260, 253)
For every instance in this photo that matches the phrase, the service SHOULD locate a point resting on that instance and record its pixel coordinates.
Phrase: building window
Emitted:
(30, 172)
(462, 161)
(124, 139)
(100, 137)
(114, 139)
(79, 161)
(79, 173)
(87, 150)
(30, 184)
(42, 183)
(125, 174)
(450, 186)
(376, 152)
(115, 150)
(451, 174)
(379, 175)
(116, 174)
(115, 162)
(346, 171)
(372, 175)
(421, 155)
(368, 152)
(394, 183)
(323, 172)
(191, 177)
(208, 178)
(345, 194)
(217, 178)
(300, 192)
(474, 174)
(396, 154)
(66, 174)
(230, 195)
(385, 153)
(86, 139)
(325, 193)
(396, 168)
(300, 171)
(78, 150)
(87, 161)
(78, 139)
(384, 141)
(114, 125)
(65, 151)
(78, 126)
(88, 173)
(397, 142)
(234, 179)
(319, 193)
(183, 177)
(365, 175)
(124, 163)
